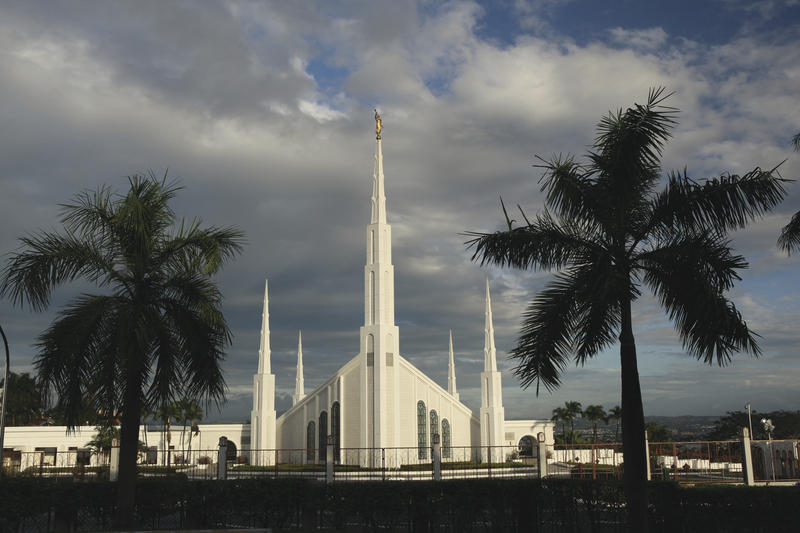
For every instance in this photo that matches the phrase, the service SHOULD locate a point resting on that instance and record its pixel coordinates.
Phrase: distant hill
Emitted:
(686, 427)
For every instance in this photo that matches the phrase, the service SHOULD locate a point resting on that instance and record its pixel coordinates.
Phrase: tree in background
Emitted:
(156, 333)
(560, 415)
(165, 414)
(573, 411)
(24, 404)
(787, 425)
(615, 413)
(594, 413)
(101, 441)
(570, 437)
(658, 433)
(608, 233)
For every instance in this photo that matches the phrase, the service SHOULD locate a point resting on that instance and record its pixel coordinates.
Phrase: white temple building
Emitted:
(377, 400)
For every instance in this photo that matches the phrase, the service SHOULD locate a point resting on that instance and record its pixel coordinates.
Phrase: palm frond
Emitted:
(544, 244)
(545, 345)
(789, 241)
(722, 204)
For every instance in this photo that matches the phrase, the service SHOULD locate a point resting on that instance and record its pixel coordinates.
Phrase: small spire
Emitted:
(489, 352)
(264, 353)
(299, 388)
(451, 372)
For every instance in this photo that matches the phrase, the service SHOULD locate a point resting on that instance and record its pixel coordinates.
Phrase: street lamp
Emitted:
(769, 428)
(750, 418)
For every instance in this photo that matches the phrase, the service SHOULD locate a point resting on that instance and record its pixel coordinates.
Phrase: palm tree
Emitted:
(560, 414)
(165, 414)
(573, 412)
(608, 234)
(156, 332)
(23, 400)
(789, 241)
(193, 414)
(594, 413)
(615, 413)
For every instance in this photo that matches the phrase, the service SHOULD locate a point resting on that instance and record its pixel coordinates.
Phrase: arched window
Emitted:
(445, 439)
(422, 428)
(323, 436)
(311, 441)
(526, 446)
(434, 424)
(335, 431)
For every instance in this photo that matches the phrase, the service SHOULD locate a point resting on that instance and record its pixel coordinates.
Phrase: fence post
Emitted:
(222, 459)
(437, 457)
(647, 454)
(113, 467)
(747, 458)
(329, 460)
(542, 455)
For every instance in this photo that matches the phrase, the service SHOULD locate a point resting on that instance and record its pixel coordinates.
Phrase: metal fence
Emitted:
(684, 462)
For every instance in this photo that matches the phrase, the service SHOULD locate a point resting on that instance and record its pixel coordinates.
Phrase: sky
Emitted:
(264, 111)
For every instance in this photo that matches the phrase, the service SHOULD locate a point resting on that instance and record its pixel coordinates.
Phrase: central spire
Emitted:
(379, 334)
(378, 194)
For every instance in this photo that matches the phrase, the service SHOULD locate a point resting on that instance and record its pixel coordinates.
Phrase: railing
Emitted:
(684, 462)
(349, 464)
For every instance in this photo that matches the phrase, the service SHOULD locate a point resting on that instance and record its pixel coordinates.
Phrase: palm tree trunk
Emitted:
(633, 441)
(129, 440)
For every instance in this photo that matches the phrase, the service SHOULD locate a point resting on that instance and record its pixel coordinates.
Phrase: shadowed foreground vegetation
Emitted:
(35, 504)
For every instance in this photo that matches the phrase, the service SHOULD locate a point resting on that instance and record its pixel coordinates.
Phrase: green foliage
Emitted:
(595, 413)
(570, 437)
(23, 401)
(608, 233)
(155, 331)
(658, 433)
(787, 425)
(457, 505)
(101, 440)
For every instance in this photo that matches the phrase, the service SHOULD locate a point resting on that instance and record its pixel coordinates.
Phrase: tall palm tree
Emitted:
(593, 413)
(573, 412)
(560, 414)
(608, 233)
(615, 413)
(165, 414)
(24, 404)
(156, 332)
(193, 414)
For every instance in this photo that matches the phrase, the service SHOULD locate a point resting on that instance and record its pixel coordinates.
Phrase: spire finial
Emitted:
(378, 125)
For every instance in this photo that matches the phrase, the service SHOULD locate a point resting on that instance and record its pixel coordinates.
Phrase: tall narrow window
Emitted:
(323, 436)
(434, 424)
(335, 421)
(311, 441)
(445, 439)
(422, 430)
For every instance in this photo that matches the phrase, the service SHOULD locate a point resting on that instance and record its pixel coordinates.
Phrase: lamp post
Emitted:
(3, 408)
(769, 428)
(750, 418)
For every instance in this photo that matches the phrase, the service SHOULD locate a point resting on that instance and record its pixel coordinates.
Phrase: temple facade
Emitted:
(379, 399)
